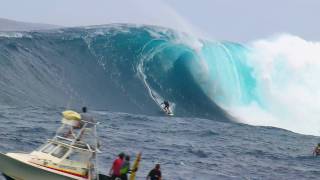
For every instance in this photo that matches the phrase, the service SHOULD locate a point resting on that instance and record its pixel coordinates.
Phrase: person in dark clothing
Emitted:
(155, 174)
(85, 116)
(316, 151)
(166, 105)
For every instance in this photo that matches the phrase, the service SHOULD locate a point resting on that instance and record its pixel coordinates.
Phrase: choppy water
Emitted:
(187, 148)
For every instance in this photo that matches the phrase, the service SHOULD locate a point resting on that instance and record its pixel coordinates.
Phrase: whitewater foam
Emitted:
(287, 70)
(14, 35)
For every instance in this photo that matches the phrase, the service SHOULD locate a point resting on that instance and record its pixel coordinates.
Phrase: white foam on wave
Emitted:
(14, 35)
(287, 71)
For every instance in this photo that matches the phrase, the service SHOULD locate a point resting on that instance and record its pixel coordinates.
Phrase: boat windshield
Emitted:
(49, 148)
(79, 156)
(60, 151)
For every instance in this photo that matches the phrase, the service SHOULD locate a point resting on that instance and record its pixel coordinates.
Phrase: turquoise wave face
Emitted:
(225, 74)
(117, 67)
(127, 68)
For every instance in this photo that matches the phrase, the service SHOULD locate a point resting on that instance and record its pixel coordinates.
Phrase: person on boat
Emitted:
(85, 116)
(90, 122)
(155, 173)
(116, 167)
(166, 105)
(125, 168)
(316, 150)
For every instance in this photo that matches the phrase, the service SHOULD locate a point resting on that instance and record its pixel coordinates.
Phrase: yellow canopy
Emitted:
(71, 115)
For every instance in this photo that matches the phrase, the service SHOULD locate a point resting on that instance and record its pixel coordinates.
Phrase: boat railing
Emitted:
(91, 122)
(75, 146)
(64, 138)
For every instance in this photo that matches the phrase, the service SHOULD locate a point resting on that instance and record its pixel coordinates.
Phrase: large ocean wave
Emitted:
(129, 68)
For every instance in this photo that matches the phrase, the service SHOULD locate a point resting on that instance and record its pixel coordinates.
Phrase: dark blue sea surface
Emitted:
(186, 148)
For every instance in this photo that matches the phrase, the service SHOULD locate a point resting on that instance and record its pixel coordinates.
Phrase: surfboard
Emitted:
(135, 167)
(169, 113)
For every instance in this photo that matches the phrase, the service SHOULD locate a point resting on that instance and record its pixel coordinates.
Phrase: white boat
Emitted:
(71, 154)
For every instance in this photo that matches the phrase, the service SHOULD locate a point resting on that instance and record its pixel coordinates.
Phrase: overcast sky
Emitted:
(234, 20)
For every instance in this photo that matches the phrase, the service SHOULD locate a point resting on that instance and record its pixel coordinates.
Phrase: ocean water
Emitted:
(242, 111)
(186, 148)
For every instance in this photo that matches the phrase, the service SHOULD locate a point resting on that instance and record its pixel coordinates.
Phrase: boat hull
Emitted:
(104, 177)
(19, 170)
